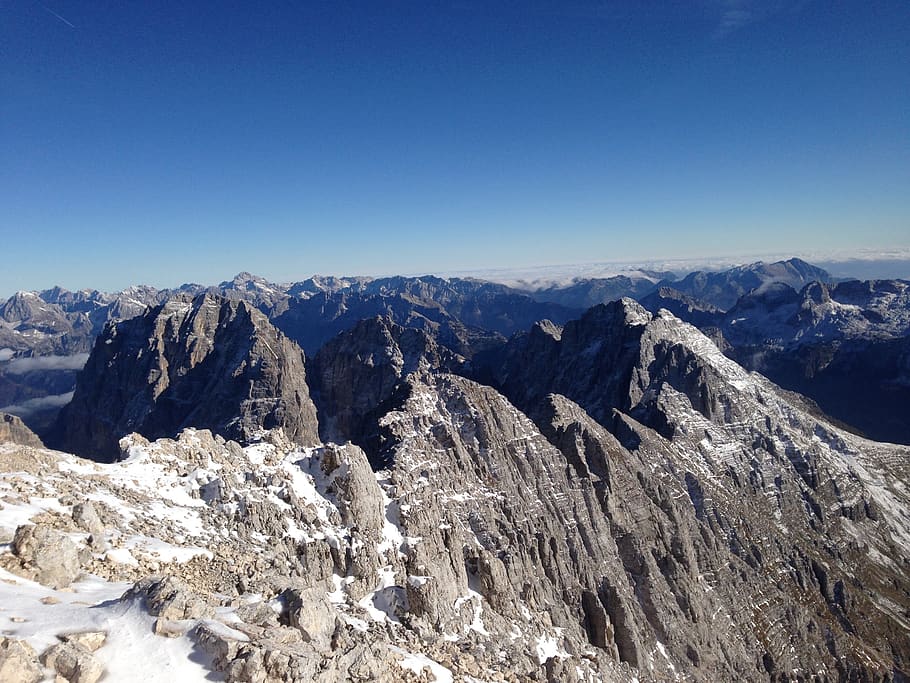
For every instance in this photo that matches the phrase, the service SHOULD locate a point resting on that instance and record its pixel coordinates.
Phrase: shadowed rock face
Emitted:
(590, 359)
(203, 362)
(356, 376)
(699, 313)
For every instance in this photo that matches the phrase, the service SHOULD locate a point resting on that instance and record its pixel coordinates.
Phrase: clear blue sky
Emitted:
(168, 142)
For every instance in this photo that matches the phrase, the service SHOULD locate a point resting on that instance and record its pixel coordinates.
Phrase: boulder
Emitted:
(310, 612)
(90, 640)
(169, 598)
(87, 519)
(50, 557)
(19, 662)
(73, 662)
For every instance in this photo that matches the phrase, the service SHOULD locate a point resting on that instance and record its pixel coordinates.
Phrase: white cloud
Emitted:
(36, 404)
(734, 15)
(20, 366)
(885, 261)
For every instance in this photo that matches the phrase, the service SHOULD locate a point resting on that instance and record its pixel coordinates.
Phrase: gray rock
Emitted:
(215, 642)
(47, 554)
(169, 598)
(73, 662)
(19, 662)
(13, 430)
(257, 613)
(309, 611)
(86, 518)
(358, 496)
(90, 640)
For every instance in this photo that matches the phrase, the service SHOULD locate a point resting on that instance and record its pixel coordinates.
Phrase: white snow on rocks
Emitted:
(417, 663)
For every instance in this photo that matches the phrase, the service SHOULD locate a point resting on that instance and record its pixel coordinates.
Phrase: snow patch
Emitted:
(417, 663)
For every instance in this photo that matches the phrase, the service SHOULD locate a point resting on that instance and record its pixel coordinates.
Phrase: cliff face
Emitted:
(729, 492)
(361, 372)
(590, 359)
(200, 361)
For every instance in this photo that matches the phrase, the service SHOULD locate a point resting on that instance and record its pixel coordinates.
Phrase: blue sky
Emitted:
(173, 142)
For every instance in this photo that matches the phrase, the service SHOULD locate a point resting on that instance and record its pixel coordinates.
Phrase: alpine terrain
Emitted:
(429, 479)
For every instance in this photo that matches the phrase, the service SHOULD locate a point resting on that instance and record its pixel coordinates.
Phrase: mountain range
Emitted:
(603, 498)
(855, 340)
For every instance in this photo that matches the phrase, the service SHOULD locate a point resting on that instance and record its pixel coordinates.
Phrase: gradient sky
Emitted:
(165, 142)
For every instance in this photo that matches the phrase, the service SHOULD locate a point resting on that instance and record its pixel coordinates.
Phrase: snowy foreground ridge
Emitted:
(187, 507)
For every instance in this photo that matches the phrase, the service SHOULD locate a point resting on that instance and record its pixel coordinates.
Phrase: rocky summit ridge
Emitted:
(609, 499)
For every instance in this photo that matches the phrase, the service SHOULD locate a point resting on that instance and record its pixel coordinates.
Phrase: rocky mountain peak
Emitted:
(245, 280)
(624, 311)
(21, 306)
(362, 370)
(724, 288)
(771, 295)
(815, 293)
(592, 357)
(546, 329)
(806, 271)
(56, 294)
(203, 361)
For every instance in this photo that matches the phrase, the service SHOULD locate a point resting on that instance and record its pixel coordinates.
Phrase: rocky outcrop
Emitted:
(169, 598)
(590, 359)
(357, 374)
(19, 662)
(202, 362)
(46, 555)
(73, 662)
(13, 430)
(701, 314)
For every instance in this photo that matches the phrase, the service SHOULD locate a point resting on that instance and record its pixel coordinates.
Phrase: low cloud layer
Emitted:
(20, 366)
(38, 404)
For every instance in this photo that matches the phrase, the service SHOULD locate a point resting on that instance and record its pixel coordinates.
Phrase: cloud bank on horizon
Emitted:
(862, 264)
